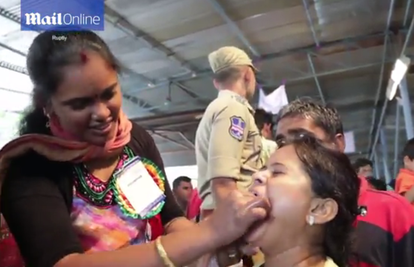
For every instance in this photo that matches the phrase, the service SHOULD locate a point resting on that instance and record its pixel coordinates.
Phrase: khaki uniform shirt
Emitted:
(227, 144)
(268, 147)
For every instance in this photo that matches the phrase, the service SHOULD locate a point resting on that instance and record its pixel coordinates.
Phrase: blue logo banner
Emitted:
(63, 15)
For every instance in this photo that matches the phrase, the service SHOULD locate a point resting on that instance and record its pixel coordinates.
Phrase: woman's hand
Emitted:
(207, 260)
(249, 250)
(235, 214)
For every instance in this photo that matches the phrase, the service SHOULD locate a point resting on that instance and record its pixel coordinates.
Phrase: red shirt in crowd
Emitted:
(9, 252)
(193, 209)
(386, 232)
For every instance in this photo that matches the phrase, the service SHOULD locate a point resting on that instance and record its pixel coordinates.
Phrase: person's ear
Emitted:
(266, 129)
(406, 160)
(48, 109)
(216, 84)
(340, 142)
(247, 74)
(322, 211)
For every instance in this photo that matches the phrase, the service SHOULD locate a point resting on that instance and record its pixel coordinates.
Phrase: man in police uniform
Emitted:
(228, 143)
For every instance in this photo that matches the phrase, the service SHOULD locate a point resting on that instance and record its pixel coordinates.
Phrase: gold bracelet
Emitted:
(162, 253)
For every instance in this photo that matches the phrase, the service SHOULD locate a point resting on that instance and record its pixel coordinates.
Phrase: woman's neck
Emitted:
(299, 256)
(102, 163)
(103, 168)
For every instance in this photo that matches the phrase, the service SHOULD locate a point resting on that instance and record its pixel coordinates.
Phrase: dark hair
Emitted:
(332, 176)
(361, 162)
(262, 117)
(409, 149)
(228, 75)
(323, 116)
(377, 183)
(45, 61)
(178, 180)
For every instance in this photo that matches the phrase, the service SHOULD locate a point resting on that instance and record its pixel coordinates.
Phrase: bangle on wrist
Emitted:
(162, 253)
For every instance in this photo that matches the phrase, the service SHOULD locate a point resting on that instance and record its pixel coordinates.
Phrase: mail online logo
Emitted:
(64, 15)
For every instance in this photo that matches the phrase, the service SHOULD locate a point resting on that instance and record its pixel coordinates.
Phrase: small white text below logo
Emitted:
(59, 38)
(61, 19)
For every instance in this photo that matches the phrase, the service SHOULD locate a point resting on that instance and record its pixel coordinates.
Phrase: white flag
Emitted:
(274, 101)
(349, 142)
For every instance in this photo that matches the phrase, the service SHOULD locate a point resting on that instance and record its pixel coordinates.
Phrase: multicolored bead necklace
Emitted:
(4, 230)
(107, 194)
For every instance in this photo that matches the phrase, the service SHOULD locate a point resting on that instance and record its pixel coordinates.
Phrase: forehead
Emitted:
(288, 125)
(366, 167)
(185, 184)
(285, 155)
(287, 161)
(88, 79)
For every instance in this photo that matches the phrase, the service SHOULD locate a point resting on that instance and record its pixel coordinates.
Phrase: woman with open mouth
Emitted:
(313, 192)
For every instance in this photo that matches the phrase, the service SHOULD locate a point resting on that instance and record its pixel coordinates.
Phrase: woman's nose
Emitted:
(258, 187)
(100, 111)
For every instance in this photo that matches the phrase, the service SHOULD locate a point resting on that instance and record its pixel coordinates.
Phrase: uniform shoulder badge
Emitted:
(237, 127)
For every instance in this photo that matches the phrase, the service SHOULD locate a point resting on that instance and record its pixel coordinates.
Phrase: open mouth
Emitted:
(102, 129)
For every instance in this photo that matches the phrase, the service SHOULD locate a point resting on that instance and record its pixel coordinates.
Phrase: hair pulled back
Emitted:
(49, 53)
(332, 176)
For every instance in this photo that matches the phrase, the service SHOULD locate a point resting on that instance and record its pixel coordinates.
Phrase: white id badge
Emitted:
(139, 187)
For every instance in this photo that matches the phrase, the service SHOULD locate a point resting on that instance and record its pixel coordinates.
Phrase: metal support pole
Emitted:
(166, 138)
(407, 13)
(396, 137)
(384, 150)
(406, 106)
(318, 85)
(404, 95)
(379, 125)
(387, 175)
(309, 17)
(376, 166)
(233, 26)
(12, 67)
(372, 143)
(186, 140)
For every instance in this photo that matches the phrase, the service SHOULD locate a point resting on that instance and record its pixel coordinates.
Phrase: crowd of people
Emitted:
(270, 193)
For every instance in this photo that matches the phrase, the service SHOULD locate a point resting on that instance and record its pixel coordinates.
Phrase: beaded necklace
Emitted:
(4, 231)
(107, 194)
